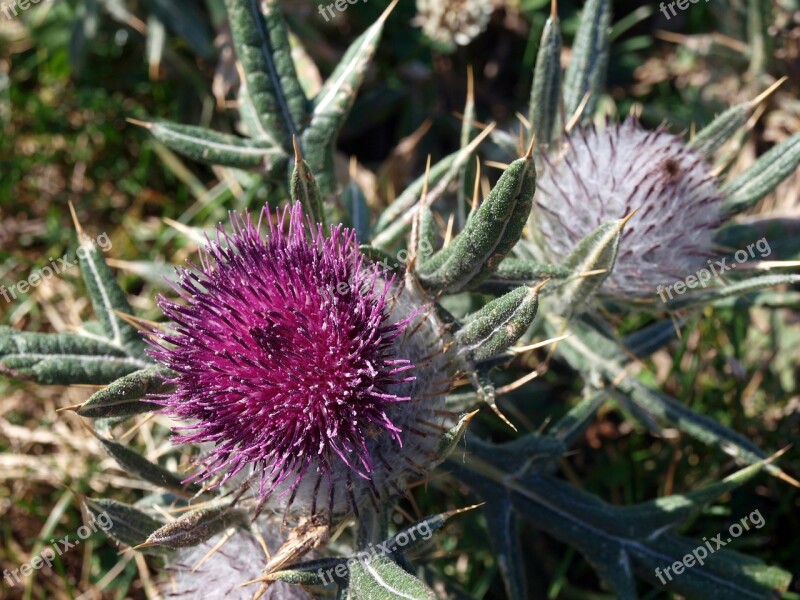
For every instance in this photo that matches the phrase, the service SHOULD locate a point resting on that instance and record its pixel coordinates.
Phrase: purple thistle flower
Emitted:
(604, 175)
(294, 363)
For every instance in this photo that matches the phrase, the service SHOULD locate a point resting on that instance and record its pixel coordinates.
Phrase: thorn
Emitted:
(627, 218)
(477, 185)
(298, 157)
(535, 289)
(496, 165)
(388, 11)
(578, 111)
(448, 234)
(523, 120)
(147, 544)
(73, 408)
(75, 222)
(231, 532)
(529, 153)
(140, 324)
(458, 511)
(517, 384)
(503, 418)
(592, 273)
(146, 124)
(554, 9)
(763, 95)
(470, 85)
(529, 347)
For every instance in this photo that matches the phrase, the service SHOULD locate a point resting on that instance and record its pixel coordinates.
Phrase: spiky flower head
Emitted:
(301, 365)
(451, 22)
(601, 175)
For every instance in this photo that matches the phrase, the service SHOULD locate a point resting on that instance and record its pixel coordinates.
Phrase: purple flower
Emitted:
(294, 365)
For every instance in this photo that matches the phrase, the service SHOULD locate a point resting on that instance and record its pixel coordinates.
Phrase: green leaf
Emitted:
(590, 351)
(262, 47)
(590, 263)
(303, 188)
(520, 271)
(586, 71)
(545, 100)
(124, 397)
(63, 358)
(129, 525)
(335, 100)
(476, 252)
(137, 465)
(451, 438)
(197, 526)
(711, 138)
(619, 541)
(498, 325)
(355, 204)
(383, 579)
(108, 299)
(211, 147)
(763, 176)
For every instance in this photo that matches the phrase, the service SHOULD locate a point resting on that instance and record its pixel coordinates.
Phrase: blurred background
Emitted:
(73, 74)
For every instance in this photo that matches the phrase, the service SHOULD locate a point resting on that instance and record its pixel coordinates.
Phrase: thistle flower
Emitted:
(605, 175)
(301, 365)
(451, 22)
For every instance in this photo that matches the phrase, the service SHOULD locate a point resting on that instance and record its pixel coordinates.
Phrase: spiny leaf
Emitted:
(108, 299)
(451, 438)
(520, 271)
(139, 466)
(590, 351)
(546, 90)
(591, 263)
(775, 165)
(124, 397)
(334, 102)
(617, 541)
(383, 579)
(262, 47)
(129, 525)
(476, 252)
(63, 359)
(498, 325)
(303, 188)
(211, 147)
(196, 527)
(586, 71)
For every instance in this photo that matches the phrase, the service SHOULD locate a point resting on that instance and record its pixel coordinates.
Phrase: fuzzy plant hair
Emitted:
(607, 174)
(302, 364)
(321, 360)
